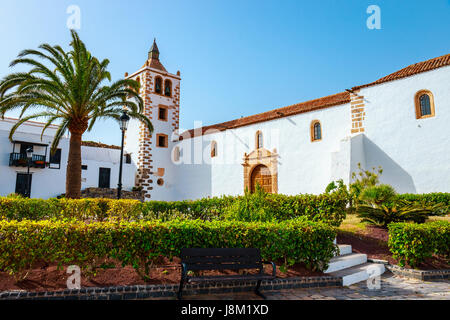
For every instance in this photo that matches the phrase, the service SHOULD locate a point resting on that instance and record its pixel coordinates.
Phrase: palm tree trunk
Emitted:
(73, 174)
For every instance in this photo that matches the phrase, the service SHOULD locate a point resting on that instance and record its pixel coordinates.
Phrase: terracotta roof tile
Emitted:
(155, 64)
(98, 145)
(411, 70)
(321, 103)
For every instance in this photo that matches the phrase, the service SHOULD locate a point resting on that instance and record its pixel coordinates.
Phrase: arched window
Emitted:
(213, 149)
(424, 101)
(168, 88)
(158, 85)
(259, 140)
(316, 130)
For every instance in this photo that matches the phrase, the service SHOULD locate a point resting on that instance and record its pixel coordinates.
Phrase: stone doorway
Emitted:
(261, 166)
(261, 176)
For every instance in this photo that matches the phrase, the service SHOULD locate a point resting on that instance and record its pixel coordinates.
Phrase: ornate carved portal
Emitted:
(261, 167)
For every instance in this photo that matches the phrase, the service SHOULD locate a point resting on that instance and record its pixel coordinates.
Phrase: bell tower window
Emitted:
(158, 85)
(168, 88)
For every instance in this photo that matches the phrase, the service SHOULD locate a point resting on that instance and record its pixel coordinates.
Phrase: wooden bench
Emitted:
(202, 259)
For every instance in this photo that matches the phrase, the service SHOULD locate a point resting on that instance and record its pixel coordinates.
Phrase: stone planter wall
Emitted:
(111, 193)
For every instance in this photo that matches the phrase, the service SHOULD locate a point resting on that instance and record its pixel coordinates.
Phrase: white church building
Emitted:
(400, 122)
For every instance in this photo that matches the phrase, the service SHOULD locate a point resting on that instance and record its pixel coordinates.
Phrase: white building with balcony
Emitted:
(47, 173)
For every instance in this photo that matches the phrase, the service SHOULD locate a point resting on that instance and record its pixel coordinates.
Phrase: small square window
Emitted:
(162, 114)
(161, 140)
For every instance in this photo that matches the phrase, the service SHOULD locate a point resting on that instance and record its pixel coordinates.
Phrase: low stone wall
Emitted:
(111, 193)
(170, 290)
(424, 275)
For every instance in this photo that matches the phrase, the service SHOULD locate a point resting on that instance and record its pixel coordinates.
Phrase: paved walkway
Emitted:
(392, 288)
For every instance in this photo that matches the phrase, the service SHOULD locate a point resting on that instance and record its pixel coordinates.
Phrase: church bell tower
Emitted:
(151, 153)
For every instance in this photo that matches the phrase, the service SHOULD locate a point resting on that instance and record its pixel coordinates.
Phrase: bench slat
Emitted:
(210, 259)
(231, 278)
(201, 252)
(224, 266)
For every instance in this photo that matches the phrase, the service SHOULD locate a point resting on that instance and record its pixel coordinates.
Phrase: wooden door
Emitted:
(104, 177)
(23, 181)
(261, 175)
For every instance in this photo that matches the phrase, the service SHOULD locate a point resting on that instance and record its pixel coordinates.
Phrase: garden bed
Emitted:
(49, 278)
(373, 242)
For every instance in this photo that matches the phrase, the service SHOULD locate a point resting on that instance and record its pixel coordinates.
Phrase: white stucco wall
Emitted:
(96, 158)
(303, 166)
(414, 153)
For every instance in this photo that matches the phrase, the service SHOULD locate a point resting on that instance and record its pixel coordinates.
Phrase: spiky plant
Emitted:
(68, 89)
(398, 211)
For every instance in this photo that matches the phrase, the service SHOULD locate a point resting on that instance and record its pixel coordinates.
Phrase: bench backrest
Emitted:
(221, 258)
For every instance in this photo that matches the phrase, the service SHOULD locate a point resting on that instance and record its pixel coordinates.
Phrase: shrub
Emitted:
(139, 244)
(80, 209)
(381, 206)
(413, 243)
(252, 207)
(378, 194)
(362, 180)
(400, 211)
(329, 208)
(337, 187)
(429, 199)
(19, 208)
(205, 209)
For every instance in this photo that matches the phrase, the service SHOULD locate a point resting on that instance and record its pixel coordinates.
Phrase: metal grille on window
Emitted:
(425, 107)
(317, 132)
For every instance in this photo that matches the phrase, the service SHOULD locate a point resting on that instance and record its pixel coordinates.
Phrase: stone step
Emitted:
(359, 273)
(346, 261)
(344, 249)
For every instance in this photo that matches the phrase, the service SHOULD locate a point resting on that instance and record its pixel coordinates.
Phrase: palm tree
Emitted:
(70, 92)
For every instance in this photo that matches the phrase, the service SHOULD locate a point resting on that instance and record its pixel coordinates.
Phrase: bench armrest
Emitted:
(274, 268)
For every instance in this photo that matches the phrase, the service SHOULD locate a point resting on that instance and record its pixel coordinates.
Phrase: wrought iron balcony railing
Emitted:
(20, 160)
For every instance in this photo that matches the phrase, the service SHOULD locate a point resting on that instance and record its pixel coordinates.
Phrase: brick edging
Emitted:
(170, 290)
(424, 275)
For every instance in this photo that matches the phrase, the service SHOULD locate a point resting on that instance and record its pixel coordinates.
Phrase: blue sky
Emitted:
(237, 58)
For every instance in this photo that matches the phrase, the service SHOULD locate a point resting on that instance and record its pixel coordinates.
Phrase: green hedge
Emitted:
(326, 207)
(25, 243)
(427, 198)
(205, 209)
(80, 209)
(329, 208)
(413, 243)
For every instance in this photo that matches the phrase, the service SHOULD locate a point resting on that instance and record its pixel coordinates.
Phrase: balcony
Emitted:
(20, 160)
